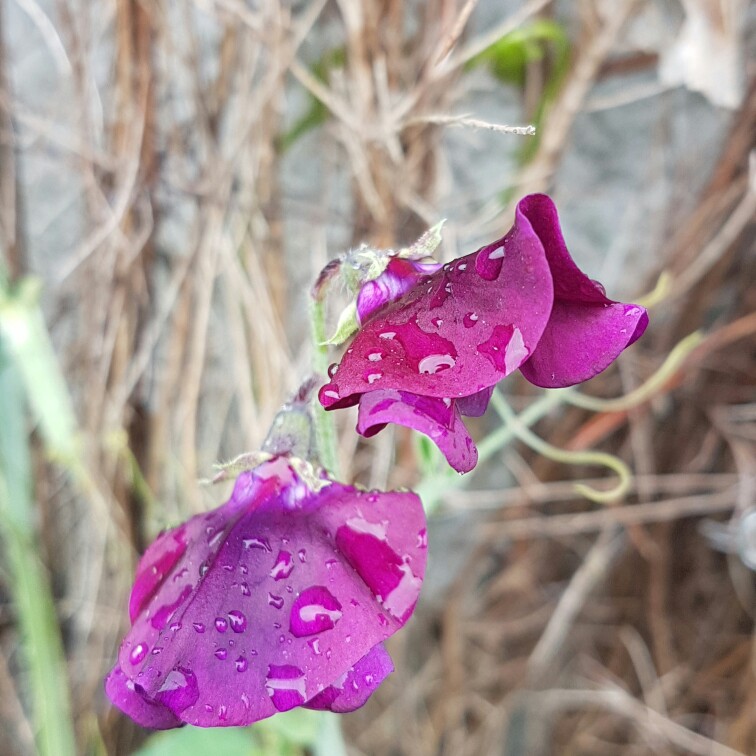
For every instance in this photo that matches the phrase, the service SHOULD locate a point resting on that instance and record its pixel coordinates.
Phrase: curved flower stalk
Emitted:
(282, 597)
(430, 353)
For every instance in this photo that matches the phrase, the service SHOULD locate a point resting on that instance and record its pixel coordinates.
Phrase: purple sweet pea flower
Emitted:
(435, 351)
(281, 597)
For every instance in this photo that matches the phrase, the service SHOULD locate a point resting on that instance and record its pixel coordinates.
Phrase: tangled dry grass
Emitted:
(176, 234)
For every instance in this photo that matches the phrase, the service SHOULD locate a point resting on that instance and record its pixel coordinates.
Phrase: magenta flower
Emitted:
(281, 597)
(434, 352)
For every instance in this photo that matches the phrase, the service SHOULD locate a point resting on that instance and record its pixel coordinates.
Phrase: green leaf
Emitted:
(426, 245)
(23, 329)
(41, 646)
(298, 726)
(199, 741)
(347, 326)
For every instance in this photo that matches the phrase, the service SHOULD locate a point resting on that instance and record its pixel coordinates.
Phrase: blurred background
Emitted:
(173, 175)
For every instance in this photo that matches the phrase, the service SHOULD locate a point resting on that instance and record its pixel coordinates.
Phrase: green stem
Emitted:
(324, 422)
(432, 490)
(331, 742)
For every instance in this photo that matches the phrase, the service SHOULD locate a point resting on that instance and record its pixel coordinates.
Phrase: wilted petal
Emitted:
(357, 685)
(438, 419)
(268, 605)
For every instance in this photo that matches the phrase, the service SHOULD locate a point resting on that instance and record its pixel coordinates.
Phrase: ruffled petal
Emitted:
(570, 283)
(438, 419)
(277, 595)
(587, 330)
(469, 325)
(581, 341)
(126, 696)
(357, 685)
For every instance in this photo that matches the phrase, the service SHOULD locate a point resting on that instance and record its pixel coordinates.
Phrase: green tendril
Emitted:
(524, 434)
(652, 386)
(659, 293)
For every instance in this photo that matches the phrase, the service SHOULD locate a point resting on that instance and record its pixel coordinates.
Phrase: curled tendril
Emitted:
(524, 434)
(659, 293)
(646, 390)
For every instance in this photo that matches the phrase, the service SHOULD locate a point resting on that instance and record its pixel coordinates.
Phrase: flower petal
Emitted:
(438, 419)
(357, 685)
(126, 696)
(581, 341)
(476, 404)
(271, 602)
(473, 322)
(570, 283)
(587, 330)
(399, 277)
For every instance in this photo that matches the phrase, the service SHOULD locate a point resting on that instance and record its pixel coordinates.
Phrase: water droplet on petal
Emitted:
(221, 625)
(285, 684)
(238, 621)
(422, 539)
(160, 619)
(221, 653)
(361, 525)
(276, 601)
(470, 319)
(244, 588)
(179, 690)
(332, 369)
(402, 598)
(199, 627)
(241, 664)
(314, 644)
(302, 554)
(283, 566)
(315, 610)
(462, 266)
(138, 653)
(387, 335)
(375, 356)
(435, 363)
(505, 348)
(373, 377)
(257, 543)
